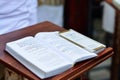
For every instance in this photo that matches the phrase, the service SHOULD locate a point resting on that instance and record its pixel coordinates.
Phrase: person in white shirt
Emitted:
(17, 14)
(14, 15)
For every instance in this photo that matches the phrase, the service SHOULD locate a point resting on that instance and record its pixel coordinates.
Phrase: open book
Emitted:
(48, 54)
(83, 41)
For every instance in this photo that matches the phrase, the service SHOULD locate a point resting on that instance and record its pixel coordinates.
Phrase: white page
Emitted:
(64, 47)
(83, 41)
(41, 56)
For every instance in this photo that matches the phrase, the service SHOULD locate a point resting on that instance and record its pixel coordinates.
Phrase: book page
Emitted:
(63, 47)
(40, 56)
(82, 41)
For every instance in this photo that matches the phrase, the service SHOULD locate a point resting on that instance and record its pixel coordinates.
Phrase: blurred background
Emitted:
(93, 18)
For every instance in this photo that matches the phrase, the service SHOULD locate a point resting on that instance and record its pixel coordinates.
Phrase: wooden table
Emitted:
(77, 71)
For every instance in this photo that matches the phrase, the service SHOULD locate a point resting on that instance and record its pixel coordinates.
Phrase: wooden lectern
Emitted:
(77, 71)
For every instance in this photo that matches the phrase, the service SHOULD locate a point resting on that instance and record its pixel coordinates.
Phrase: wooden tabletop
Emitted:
(77, 70)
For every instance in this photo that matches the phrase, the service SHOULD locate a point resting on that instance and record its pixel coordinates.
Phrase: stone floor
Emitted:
(101, 72)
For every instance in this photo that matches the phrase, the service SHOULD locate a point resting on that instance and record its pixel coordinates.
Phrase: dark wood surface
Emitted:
(76, 15)
(78, 70)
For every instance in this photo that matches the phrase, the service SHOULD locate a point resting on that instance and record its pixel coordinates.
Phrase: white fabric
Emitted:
(51, 13)
(16, 14)
(108, 18)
